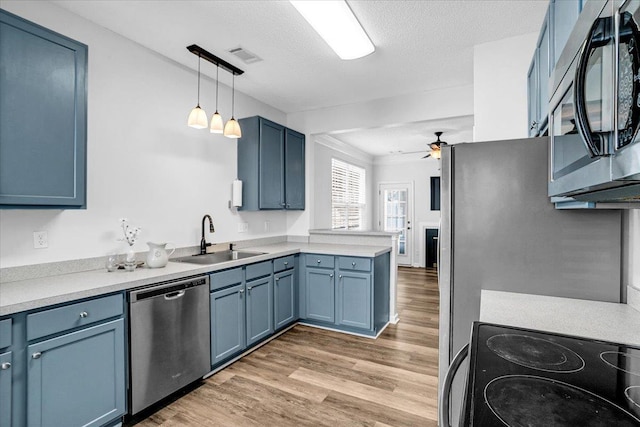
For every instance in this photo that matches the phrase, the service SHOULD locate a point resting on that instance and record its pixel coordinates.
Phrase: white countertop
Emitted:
(342, 232)
(619, 323)
(35, 293)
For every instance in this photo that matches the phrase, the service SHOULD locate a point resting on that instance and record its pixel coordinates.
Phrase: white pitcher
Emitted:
(157, 256)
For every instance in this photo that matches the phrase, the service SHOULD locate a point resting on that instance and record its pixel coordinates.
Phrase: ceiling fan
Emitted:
(435, 147)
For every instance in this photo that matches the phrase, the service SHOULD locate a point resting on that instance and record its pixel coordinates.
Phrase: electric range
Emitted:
(520, 377)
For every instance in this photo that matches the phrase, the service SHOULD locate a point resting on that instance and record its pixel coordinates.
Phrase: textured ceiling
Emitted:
(420, 45)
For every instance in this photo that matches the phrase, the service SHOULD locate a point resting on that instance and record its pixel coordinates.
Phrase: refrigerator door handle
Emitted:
(448, 381)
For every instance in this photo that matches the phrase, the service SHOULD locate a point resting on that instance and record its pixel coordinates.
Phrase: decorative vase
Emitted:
(130, 259)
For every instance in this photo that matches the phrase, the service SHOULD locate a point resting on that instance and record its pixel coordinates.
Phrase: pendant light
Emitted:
(197, 117)
(216, 120)
(232, 128)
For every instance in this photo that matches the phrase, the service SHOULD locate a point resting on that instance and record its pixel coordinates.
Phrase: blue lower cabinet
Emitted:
(5, 389)
(284, 298)
(227, 323)
(354, 301)
(77, 379)
(259, 309)
(319, 294)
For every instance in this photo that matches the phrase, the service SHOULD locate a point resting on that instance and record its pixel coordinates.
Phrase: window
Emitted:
(347, 195)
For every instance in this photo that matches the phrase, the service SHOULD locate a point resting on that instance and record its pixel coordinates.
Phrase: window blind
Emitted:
(347, 195)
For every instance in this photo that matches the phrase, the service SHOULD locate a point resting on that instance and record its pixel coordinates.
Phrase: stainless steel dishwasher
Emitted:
(169, 338)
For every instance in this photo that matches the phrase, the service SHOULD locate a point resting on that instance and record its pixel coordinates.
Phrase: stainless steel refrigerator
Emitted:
(499, 231)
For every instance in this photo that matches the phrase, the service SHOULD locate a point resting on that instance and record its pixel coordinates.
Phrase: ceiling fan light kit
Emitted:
(198, 118)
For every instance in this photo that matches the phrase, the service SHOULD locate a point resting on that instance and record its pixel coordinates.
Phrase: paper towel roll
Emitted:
(236, 198)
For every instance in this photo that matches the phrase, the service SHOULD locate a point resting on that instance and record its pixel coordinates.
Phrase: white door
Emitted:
(396, 200)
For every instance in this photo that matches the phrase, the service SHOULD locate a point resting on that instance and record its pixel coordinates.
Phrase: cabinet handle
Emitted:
(353, 264)
(84, 314)
(533, 125)
(331, 275)
(283, 204)
(318, 261)
(249, 288)
(241, 291)
(277, 278)
(286, 263)
(5, 366)
(340, 276)
(36, 355)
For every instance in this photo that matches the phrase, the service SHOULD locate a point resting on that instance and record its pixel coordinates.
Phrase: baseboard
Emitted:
(394, 319)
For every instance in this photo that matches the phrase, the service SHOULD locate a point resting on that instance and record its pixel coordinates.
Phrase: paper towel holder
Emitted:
(236, 194)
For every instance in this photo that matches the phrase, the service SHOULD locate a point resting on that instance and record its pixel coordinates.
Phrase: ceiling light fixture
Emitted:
(232, 128)
(197, 118)
(338, 26)
(216, 120)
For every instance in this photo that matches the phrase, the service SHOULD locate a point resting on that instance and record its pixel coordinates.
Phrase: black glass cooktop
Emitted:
(520, 377)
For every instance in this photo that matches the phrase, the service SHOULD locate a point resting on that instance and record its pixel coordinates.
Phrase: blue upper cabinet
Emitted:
(555, 31)
(43, 117)
(270, 165)
(564, 14)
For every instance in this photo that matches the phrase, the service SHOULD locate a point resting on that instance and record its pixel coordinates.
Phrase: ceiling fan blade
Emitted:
(428, 155)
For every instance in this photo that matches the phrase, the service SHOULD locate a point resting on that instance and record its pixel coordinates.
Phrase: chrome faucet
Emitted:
(203, 242)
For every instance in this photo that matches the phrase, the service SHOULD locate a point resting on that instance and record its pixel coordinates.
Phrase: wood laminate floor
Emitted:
(314, 377)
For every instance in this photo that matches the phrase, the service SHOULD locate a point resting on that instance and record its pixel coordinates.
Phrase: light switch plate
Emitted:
(243, 227)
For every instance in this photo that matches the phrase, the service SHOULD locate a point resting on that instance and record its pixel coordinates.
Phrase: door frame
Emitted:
(411, 240)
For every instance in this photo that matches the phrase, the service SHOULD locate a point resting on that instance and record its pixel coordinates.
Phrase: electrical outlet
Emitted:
(40, 240)
(243, 227)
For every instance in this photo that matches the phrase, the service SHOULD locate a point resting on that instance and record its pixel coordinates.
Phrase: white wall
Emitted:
(418, 172)
(144, 163)
(500, 87)
(631, 266)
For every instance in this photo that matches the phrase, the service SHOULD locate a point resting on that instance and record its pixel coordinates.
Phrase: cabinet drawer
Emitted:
(323, 261)
(222, 279)
(259, 269)
(354, 263)
(5, 333)
(71, 316)
(283, 263)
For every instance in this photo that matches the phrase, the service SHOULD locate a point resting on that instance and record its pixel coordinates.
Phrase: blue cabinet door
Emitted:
(259, 309)
(42, 116)
(5, 389)
(544, 71)
(284, 298)
(271, 165)
(354, 299)
(77, 379)
(294, 170)
(564, 14)
(532, 96)
(227, 323)
(319, 294)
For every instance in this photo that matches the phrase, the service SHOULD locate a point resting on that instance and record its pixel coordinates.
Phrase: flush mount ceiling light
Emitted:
(216, 120)
(338, 26)
(232, 128)
(197, 118)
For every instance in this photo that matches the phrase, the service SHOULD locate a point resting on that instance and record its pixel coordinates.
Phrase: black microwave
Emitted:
(594, 119)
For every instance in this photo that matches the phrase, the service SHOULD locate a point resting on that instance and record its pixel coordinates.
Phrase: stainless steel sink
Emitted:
(217, 257)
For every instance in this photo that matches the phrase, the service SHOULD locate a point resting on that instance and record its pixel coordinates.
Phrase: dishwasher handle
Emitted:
(174, 295)
(446, 387)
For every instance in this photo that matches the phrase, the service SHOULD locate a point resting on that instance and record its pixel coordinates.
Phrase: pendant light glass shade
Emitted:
(232, 128)
(198, 118)
(217, 124)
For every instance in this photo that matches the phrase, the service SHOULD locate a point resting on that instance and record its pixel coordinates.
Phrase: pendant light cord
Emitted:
(233, 95)
(217, 78)
(198, 80)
